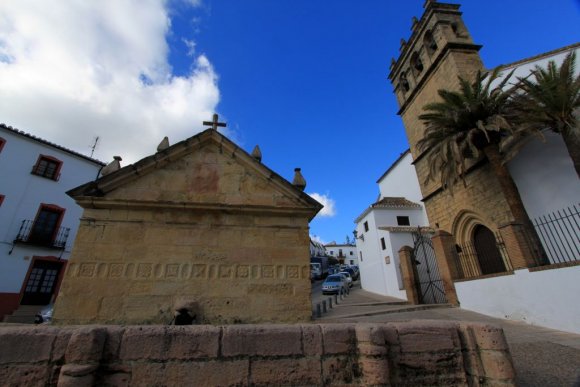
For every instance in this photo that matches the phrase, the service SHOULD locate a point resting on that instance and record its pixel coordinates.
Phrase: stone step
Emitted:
(19, 319)
(24, 314)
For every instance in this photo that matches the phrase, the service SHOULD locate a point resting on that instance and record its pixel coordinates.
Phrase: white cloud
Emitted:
(73, 70)
(327, 202)
(190, 44)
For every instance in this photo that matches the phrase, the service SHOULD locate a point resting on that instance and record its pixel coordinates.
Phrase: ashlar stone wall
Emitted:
(201, 224)
(407, 353)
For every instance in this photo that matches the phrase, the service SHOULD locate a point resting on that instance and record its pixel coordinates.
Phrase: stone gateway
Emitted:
(199, 223)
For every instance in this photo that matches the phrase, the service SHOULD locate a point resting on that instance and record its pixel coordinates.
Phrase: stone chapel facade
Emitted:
(439, 50)
(200, 223)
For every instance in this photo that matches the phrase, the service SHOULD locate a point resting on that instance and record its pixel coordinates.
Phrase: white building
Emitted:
(345, 253)
(387, 225)
(317, 249)
(38, 221)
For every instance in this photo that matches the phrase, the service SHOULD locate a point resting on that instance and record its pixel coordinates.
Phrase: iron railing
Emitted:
(474, 262)
(30, 233)
(559, 233)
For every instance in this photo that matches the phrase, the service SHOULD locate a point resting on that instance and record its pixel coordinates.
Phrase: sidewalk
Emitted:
(542, 356)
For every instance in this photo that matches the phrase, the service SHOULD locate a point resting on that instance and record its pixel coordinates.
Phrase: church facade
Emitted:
(487, 259)
(439, 51)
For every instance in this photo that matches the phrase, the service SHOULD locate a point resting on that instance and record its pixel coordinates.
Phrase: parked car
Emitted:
(315, 270)
(348, 277)
(333, 284)
(353, 273)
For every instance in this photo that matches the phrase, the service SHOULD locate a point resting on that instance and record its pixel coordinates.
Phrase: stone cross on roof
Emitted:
(214, 124)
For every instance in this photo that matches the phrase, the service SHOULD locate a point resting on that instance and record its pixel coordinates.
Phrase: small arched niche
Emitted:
(429, 42)
(416, 64)
(403, 81)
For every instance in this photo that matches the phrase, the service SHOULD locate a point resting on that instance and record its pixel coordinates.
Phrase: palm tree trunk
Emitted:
(572, 142)
(514, 200)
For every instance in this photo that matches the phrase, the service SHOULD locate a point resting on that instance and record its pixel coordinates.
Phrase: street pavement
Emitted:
(542, 356)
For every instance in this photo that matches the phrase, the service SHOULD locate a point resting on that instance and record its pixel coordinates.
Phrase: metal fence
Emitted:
(474, 261)
(559, 233)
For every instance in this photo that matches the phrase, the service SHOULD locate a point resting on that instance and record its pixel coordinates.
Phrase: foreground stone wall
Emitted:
(409, 353)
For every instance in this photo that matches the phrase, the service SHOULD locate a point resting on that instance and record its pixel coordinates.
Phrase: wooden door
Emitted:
(41, 283)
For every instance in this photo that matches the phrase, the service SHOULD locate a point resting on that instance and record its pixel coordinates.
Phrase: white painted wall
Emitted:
(402, 181)
(543, 172)
(545, 176)
(24, 192)
(519, 297)
(372, 269)
(348, 251)
(377, 275)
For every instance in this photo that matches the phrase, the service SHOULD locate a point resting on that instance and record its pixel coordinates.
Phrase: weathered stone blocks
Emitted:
(412, 353)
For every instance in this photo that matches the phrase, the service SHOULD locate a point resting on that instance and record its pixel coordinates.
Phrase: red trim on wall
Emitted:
(9, 302)
(58, 162)
(58, 281)
(2, 199)
(53, 208)
(2, 142)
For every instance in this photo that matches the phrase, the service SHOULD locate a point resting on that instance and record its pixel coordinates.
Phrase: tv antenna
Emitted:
(94, 145)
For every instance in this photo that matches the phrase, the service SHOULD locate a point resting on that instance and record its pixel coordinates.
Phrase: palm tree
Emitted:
(467, 124)
(549, 99)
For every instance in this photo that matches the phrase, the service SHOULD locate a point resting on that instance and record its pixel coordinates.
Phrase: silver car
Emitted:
(335, 284)
(348, 277)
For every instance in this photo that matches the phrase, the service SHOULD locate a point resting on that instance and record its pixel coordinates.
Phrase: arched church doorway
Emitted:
(488, 255)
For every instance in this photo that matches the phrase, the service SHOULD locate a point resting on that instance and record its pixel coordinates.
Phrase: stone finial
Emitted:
(299, 181)
(403, 44)
(113, 166)
(257, 153)
(164, 144)
(414, 23)
(393, 63)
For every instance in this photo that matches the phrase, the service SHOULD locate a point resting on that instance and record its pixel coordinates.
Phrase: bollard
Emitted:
(336, 299)
(318, 313)
(323, 306)
(330, 302)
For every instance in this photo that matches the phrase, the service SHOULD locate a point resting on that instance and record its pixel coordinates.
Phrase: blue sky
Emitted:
(306, 80)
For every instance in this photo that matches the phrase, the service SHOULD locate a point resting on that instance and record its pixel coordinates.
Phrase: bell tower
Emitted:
(440, 48)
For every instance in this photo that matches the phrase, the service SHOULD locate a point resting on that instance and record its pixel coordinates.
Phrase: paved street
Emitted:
(542, 356)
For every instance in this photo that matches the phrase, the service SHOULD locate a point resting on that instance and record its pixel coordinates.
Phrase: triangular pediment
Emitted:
(208, 171)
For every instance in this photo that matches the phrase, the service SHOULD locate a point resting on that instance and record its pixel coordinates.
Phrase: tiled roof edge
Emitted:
(46, 142)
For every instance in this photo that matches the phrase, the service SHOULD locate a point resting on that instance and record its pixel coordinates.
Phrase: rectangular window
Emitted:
(366, 224)
(403, 221)
(351, 253)
(340, 252)
(383, 245)
(47, 166)
(46, 224)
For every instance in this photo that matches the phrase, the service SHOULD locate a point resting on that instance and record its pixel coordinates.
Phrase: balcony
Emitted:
(35, 234)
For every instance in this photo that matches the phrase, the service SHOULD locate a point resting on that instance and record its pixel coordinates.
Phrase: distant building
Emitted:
(316, 249)
(387, 225)
(345, 253)
(38, 221)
